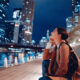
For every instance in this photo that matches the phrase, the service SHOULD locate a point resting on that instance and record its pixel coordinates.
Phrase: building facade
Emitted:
(74, 20)
(3, 9)
(73, 24)
(4, 4)
(27, 19)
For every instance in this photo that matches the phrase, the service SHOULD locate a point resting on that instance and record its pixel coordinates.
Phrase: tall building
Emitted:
(27, 19)
(3, 15)
(3, 9)
(16, 18)
(13, 26)
(9, 31)
(74, 20)
(73, 5)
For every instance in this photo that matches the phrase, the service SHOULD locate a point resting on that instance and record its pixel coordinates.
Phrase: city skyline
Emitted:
(46, 15)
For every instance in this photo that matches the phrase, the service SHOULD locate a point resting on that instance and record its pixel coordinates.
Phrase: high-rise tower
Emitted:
(3, 15)
(3, 9)
(27, 19)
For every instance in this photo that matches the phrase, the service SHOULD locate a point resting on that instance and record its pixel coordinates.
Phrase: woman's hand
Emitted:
(51, 40)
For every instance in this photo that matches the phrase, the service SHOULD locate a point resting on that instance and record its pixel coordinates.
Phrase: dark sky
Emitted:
(48, 15)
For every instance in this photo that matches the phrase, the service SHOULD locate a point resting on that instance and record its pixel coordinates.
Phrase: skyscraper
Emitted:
(3, 9)
(73, 5)
(27, 19)
(74, 20)
(3, 15)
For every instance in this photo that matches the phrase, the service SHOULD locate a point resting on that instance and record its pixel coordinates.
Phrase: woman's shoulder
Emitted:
(63, 45)
(64, 48)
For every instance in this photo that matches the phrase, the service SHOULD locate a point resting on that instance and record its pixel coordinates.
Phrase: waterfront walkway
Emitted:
(28, 71)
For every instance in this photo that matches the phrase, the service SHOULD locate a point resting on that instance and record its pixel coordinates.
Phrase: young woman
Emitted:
(59, 64)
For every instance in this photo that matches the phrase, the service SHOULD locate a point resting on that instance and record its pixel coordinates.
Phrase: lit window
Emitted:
(7, 3)
(16, 14)
(3, 15)
(27, 2)
(76, 18)
(29, 12)
(0, 17)
(27, 20)
(0, 10)
(2, 4)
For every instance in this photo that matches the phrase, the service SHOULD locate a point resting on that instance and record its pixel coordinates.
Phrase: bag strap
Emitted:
(67, 44)
(68, 74)
(61, 45)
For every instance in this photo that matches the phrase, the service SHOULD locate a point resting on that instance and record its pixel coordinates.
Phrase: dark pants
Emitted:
(69, 79)
(45, 65)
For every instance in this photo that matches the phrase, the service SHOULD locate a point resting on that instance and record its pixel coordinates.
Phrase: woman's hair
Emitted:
(63, 32)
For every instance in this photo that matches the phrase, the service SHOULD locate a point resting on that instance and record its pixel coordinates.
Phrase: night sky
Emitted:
(48, 15)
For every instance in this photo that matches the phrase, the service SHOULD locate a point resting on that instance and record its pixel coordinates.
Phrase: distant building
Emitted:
(27, 19)
(43, 42)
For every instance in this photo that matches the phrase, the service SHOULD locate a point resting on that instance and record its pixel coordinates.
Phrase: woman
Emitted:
(61, 56)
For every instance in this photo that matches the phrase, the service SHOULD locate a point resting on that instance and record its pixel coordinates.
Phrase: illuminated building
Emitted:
(74, 20)
(73, 23)
(16, 18)
(27, 19)
(3, 15)
(13, 26)
(43, 42)
(9, 31)
(3, 9)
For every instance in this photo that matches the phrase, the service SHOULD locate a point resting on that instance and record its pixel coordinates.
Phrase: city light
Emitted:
(11, 46)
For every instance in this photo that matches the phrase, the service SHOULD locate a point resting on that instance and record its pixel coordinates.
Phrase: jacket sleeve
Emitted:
(64, 60)
(46, 54)
(52, 60)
